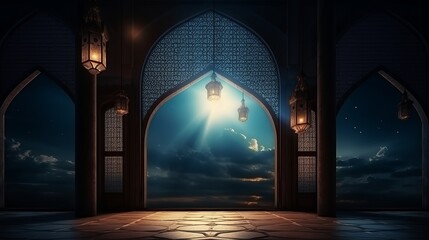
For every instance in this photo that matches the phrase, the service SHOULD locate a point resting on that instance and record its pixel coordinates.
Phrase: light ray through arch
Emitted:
(205, 142)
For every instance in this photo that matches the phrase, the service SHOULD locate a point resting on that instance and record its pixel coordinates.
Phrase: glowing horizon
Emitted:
(197, 149)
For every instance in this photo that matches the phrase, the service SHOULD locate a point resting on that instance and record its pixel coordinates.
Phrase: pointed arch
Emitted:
(5, 105)
(382, 39)
(425, 136)
(421, 114)
(38, 41)
(183, 87)
(392, 80)
(185, 51)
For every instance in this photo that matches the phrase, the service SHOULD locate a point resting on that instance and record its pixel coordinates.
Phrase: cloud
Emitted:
(157, 172)
(357, 167)
(229, 144)
(256, 179)
(226, 173)
(409, 172)
(37, 180)
(381, 153)
(30, 168)
(46, 159)
(385, 181)
(14, 146)
(376, 192)
(253, 144)
(25, 154)
(230, 130)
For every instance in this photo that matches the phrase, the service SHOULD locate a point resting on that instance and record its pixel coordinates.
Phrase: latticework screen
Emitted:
(306, 174)
(187, 50)
(307, 161)
(307, 139)
(113, 174)
(112, 131)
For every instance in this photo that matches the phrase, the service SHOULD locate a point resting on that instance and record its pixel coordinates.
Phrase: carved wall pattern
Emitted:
(186, 51)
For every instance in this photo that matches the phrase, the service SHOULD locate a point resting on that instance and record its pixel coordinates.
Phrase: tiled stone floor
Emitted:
(215, 225)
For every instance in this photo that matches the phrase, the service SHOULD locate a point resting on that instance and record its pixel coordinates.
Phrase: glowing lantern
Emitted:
(405, 107)
(121, 103)
(94, 39)
(243, 111)
(214, 89)
(300, 118)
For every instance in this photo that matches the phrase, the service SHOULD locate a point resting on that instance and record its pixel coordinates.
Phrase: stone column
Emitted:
(326, 139)
(86, 145)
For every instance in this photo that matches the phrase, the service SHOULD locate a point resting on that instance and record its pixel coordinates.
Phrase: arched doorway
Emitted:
(38, 146)
(187, 51)
(379, 157)
(199, 155)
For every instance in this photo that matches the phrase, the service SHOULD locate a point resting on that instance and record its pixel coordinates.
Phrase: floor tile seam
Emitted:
(135, 221)
(351, 225)
(87, 223)
(96, 220)
(75, 226)
(217, 233)
(288, 220)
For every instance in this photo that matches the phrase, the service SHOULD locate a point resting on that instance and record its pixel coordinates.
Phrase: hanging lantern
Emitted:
(243, 111)
(214, 89)
(300, 118)
(121, 103)
(94, 39)
(405, 107)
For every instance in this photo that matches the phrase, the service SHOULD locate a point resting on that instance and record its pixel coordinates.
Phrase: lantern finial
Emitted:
(92, 19)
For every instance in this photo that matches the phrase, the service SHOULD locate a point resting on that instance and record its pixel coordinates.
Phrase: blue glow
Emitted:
(201, 155)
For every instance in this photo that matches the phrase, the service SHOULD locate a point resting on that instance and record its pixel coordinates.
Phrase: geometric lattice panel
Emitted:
(186, 52)
(113, 137)
(306, 174)
(113, 174)
(307, 140)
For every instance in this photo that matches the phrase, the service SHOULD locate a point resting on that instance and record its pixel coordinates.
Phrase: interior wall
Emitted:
(382, 42)
(38, 42)
(390, 34)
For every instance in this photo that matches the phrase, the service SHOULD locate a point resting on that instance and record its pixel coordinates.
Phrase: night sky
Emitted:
(378, 156)
(206, 157)
(200, 155)
(39, 164)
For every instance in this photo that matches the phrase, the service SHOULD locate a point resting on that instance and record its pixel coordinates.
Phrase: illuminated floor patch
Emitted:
(215, 225)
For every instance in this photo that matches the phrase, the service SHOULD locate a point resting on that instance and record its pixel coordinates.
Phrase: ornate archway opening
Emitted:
(188, 50)
(37, 147)
(379, 157)
(199, 155)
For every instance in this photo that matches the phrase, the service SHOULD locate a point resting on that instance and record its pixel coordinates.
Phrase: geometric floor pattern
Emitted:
(216, 225)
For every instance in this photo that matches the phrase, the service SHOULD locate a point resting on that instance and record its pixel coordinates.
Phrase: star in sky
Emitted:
(380, 154)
